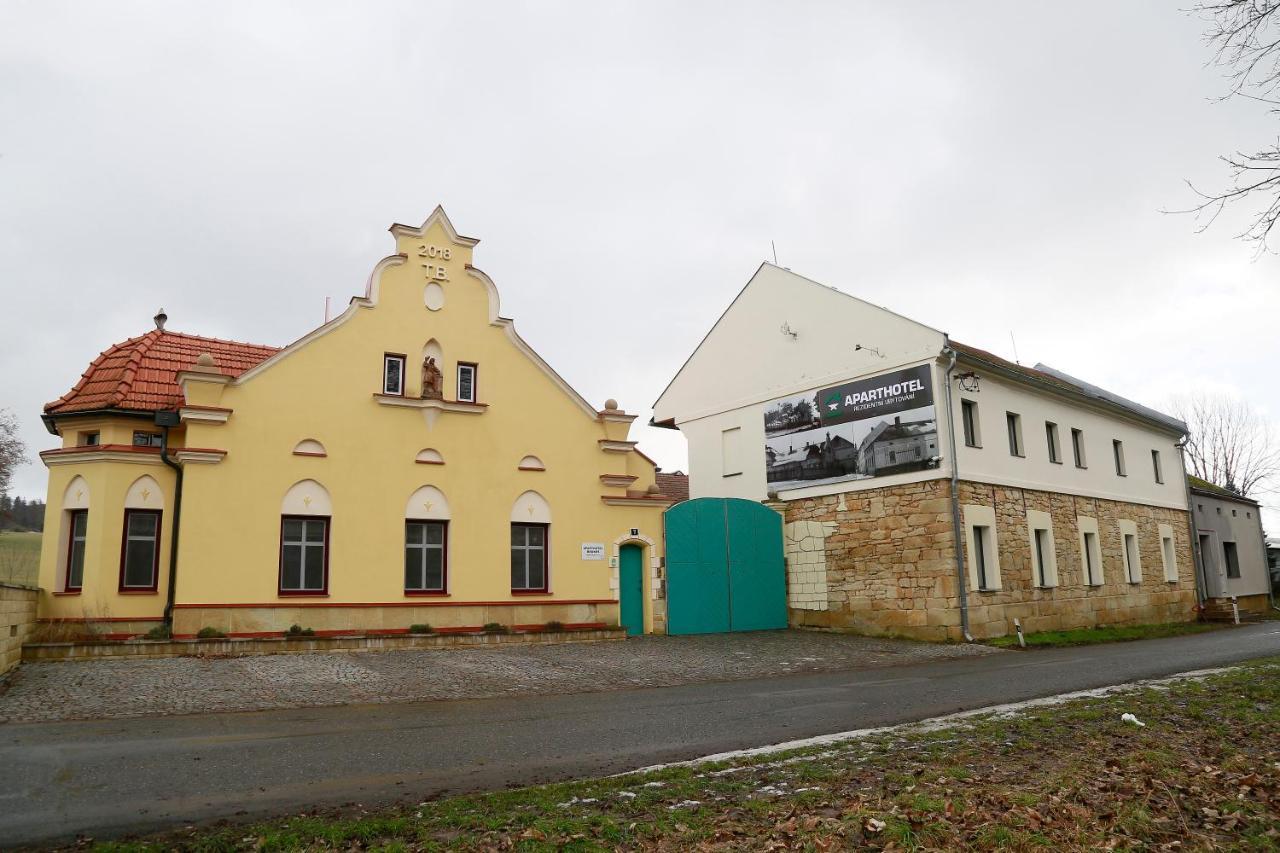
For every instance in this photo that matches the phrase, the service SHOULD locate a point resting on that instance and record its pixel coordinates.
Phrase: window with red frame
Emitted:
(140, 551)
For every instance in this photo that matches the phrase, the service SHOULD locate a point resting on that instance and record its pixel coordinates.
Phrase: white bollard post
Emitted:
(1017, 626)
(1235, 610)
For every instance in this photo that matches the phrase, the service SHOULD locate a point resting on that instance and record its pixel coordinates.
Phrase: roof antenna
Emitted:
(775, 252)
(326, 309)
(161, 318)
(1015, 348)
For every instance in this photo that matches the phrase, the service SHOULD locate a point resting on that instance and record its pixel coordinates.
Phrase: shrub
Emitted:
(421, 629)
(208, 632)
(299, 631)
(496, 628)
(159, 632)
(553, 625)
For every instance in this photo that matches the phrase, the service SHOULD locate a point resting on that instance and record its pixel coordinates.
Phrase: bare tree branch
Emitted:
(1230, 445)
(1245, 38)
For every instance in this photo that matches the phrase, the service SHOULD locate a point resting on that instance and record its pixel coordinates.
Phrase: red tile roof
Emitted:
(142, 373)
(674, 485)
(997, 361)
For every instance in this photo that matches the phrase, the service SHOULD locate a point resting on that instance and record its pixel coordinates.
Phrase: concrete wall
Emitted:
(1225, 520)
(887, 562)
(17, 621)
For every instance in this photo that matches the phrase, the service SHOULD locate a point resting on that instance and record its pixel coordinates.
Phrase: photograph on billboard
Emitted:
(854, 431)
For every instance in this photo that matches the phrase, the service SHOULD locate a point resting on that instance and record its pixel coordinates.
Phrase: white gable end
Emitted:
(786, 334)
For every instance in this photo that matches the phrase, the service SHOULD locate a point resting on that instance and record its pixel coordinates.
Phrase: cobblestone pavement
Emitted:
(137, 688)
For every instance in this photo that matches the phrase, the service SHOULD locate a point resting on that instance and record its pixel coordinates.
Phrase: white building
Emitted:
(1070, 501)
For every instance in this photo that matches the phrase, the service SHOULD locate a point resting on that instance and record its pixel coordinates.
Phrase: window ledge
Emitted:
(531, 592)
(426, 593)
(986, 589)
(301, 594)
(438, 405)
(139, 592)
(68, 592)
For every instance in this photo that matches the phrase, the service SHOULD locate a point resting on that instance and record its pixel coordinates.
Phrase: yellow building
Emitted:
(412, 461)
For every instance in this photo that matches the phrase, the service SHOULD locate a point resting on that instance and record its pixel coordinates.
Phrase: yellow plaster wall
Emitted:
(108, 483)
(324, 390)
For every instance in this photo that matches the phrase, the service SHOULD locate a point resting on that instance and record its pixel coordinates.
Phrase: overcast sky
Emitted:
(985, 168)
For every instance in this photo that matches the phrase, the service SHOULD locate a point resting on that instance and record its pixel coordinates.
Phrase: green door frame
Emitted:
(631, 588)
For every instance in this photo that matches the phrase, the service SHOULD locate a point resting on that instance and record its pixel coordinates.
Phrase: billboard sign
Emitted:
(854, 431)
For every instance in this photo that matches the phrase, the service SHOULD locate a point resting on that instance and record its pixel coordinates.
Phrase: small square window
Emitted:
(89, 439)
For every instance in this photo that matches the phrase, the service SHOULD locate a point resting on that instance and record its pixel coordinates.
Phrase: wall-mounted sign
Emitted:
(593, 550)
(866, 428)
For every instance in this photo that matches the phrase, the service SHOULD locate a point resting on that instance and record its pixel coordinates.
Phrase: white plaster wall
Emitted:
(993, 463)
(746, 358)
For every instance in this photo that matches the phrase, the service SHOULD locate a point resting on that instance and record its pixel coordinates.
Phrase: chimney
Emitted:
(897, 420)
(161, 318)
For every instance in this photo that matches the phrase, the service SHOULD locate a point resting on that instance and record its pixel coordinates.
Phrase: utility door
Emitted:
(725, 569)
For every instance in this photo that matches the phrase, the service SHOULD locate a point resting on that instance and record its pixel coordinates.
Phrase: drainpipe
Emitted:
(177, 517)
(957, 528)
(1197, 559)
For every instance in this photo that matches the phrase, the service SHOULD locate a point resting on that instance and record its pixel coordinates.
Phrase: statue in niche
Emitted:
(432, 380)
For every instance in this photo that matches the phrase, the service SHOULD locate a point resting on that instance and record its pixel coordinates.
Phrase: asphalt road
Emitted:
(109, 778)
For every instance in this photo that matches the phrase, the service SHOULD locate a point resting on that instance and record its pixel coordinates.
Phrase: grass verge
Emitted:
(1203, 773)
(19, 558)
(1107, 634)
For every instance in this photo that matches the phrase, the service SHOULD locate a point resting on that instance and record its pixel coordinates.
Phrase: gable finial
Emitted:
(161, 318)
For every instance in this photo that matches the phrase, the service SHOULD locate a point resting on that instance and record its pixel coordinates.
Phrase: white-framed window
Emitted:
(467, 375)
(1051, 438)
(1091, 571)
(393, 375)
(1168, 556)
(983, 547)
(1014, 422)
(1077, 447)
(1156, 468)
(89, 439)
(969, 422)
(1129, 550)
(1117, 450)
(1044, 558)
(731, 452)
(425, 555)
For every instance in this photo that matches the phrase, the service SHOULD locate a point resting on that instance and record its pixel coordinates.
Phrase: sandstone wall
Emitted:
(888, 558)
(17, 621)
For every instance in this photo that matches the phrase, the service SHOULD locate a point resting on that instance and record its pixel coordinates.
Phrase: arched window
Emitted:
(309, 447)
(140, 548)
(75, 531)
(426, 542)
(429, 456)
(531, 463)
(305, 514)
(530, 544)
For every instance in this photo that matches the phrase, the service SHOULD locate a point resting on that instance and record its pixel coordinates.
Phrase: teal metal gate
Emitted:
(725, 569)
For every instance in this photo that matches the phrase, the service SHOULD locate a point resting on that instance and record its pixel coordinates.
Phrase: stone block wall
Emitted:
(17, 621)
(889, 563)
